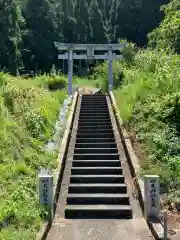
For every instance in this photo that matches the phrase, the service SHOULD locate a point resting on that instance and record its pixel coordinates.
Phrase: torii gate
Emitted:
(90, 54)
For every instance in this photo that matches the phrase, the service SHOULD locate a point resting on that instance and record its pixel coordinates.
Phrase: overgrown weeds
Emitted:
(149, 101)
(148, 96)
(28, 113)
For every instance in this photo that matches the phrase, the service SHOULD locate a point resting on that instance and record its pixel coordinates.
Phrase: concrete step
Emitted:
(96, 163)
(96, 170)
(94, 103)
(96, 145)
(94, 119)
(97, 114)
(98, 198)
(91, 127)
(95, 150)
(100, 102)
(95, 100)
(95, 140)
(95, 130)
(113, 156)
(97, 93)
(91, 116)
(94, 115)
(94, 96)
(92, 110)
(108, 179)
(95, 135)
(92, 123)
(98, 188)
(90, 106)
(96, 109)
(98, 212)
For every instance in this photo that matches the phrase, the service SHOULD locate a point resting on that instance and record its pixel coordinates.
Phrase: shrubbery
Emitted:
(28, 113)
(149, 101)
(147, 90)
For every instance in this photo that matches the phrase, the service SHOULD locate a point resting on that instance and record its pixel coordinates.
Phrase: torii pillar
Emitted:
(110, 69)
(70, 71)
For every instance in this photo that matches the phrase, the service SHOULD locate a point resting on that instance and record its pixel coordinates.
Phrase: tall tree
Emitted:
(42, 25)
(97, 24)
(135, 18)
(10, 35)
(112, 24)
(83, 26)
(68, 21)
(83, 21)
(167, 35)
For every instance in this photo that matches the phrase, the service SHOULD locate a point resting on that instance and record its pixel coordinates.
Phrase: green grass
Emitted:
(50, 81)
(148, 97)
(85, 82)
(28, 113)
(61, 81)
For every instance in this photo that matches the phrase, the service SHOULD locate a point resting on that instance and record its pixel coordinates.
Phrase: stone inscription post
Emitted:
(152, 196)
(46, 191)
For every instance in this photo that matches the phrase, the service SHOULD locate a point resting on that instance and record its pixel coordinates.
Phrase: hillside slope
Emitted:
(28, 113)
(148, 96)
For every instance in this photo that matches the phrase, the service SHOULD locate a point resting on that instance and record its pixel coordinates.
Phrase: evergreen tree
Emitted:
(83, 27)
(97, 24)
(79, 21)
(42, 25)
(104, 6)
(167, 35)
(68, 21)
(10, 35)
(135, 18)
(112, 24)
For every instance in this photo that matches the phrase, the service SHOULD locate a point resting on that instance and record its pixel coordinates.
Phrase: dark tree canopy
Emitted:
(28, 28)
(167, 35)
(10, 36)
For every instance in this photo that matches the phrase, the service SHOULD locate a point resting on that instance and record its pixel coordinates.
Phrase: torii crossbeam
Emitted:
(71, 52)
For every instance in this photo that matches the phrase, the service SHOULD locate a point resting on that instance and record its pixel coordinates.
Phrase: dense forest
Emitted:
(29, 28)
(146, 88)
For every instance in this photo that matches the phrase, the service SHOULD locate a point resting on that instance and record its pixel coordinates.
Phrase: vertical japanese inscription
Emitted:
(45, 191)
(153, 192)
(152, 197)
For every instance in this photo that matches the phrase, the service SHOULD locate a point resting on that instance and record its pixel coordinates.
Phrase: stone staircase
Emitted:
(97, 188)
